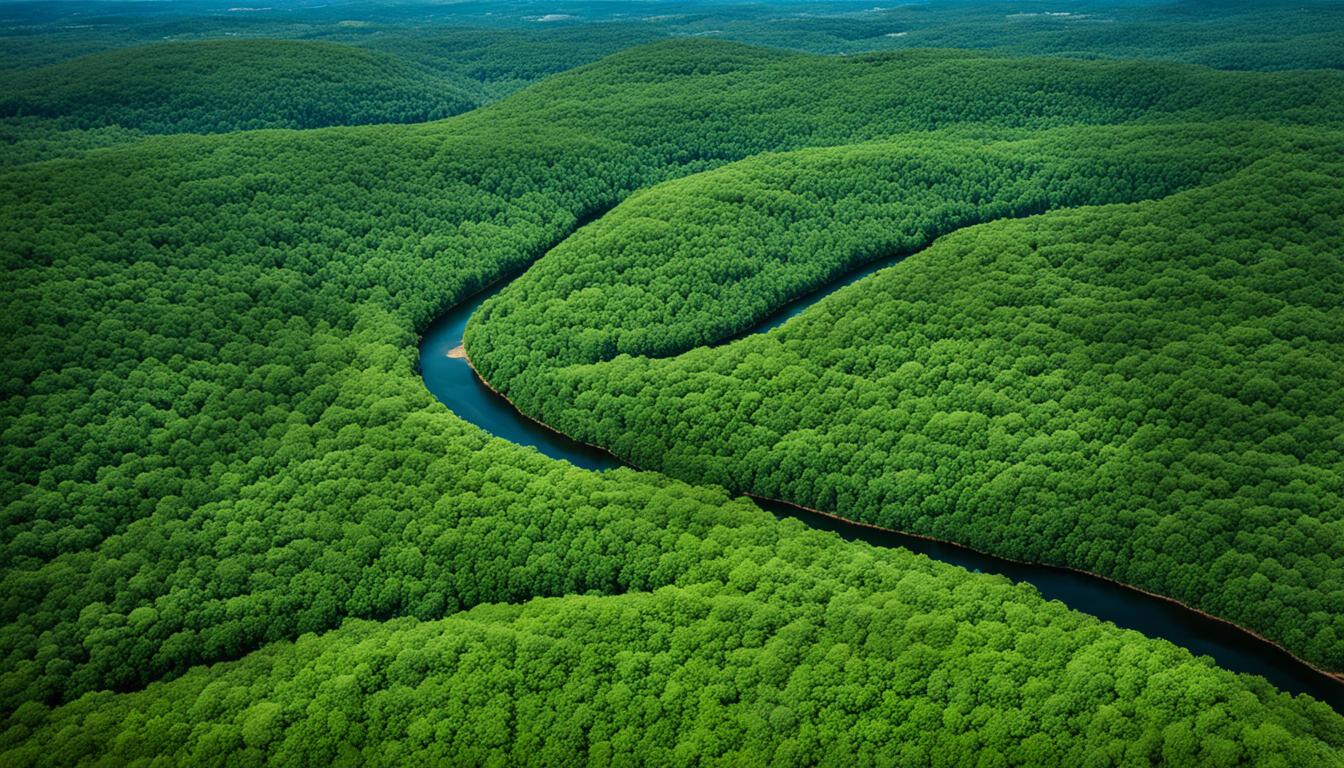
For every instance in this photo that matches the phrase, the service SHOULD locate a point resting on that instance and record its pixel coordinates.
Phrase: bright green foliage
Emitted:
(214, 437)
(209, 354)
(230, 85)
(705, 257)
(1151, 392)
(781, 646)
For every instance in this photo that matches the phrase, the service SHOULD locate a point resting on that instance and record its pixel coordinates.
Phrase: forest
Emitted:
(1108, 418)
(239, 530)
(232, 85)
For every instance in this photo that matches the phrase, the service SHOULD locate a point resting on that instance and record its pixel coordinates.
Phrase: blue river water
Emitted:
(454, 383)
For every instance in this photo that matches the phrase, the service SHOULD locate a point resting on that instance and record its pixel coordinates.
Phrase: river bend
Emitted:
(455, 384)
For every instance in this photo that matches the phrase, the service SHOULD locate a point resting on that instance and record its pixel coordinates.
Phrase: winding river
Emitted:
(456, 385)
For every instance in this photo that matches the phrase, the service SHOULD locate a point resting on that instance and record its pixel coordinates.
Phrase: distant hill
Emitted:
(228, 85)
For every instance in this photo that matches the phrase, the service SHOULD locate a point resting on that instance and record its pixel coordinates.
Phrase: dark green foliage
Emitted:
(230, 85)
(500, 61)
(380, 63)
(506, 43)
(28, 139)
(1269, 35)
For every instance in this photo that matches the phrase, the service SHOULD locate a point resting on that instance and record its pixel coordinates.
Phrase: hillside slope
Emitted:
(1149, 393)
(229, 85)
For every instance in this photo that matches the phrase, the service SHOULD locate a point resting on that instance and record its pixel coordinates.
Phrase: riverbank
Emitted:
(455, 382)
(1336, 700)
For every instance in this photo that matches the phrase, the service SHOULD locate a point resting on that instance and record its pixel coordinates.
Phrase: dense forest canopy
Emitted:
(231, 85)
(83, 75)
(1040, 392)
(1227, 34)
(704, 257)
(238, 530)
(792, 652)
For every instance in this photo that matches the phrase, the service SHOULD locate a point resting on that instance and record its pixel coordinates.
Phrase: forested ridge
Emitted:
(66, 107)
(701, 258)
(102, 99)
(213, 86)
(793, 649)
(1110, 417)
(221, 475)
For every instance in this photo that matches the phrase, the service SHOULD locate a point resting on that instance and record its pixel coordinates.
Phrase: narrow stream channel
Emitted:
(454, 383)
